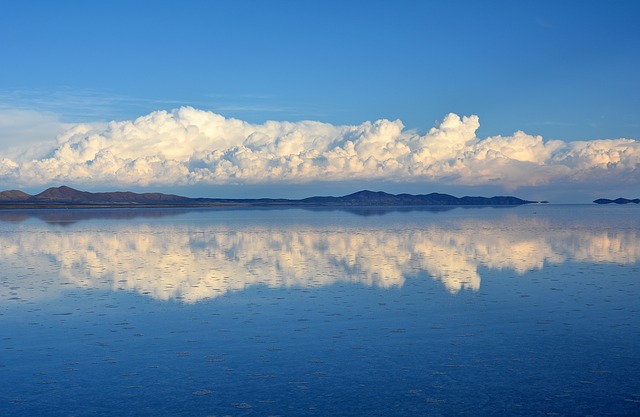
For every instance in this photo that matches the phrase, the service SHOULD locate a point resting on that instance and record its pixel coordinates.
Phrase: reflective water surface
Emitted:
(528, 310)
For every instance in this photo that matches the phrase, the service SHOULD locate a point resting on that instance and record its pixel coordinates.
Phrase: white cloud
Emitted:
(27, 133)
(189, 147)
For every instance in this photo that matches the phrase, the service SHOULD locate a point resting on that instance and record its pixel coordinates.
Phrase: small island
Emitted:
(617, 201)
(66, 197)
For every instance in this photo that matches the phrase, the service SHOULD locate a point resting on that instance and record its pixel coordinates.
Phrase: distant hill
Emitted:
(13, 195)
(67, 196)
(379, 198)
(617, 201)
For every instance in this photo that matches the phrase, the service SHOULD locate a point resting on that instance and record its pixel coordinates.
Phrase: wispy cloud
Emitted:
(71, 105)
(188, 146)
(244, 105)
(74, 105)
(551, 123)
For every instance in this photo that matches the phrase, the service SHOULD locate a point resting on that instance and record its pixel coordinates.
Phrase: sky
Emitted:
(537, 99)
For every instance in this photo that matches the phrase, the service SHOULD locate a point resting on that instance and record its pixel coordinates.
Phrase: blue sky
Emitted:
(564, 70)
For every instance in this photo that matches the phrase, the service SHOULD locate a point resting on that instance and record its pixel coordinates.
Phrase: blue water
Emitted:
(523, 311)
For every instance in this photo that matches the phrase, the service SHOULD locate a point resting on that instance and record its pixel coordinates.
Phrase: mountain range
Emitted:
(67, 196)
(617, 201)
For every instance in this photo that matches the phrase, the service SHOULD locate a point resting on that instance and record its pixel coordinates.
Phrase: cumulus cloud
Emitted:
(188, 146)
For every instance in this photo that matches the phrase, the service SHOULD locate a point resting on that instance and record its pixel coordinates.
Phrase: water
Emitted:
(521, 311)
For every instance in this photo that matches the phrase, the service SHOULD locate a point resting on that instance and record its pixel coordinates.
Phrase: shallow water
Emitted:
(520, 311)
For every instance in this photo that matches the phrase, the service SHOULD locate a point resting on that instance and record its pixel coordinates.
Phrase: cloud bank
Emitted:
(188, 146)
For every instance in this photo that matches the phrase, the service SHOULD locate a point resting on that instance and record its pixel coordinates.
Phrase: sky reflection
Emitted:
(191, 261)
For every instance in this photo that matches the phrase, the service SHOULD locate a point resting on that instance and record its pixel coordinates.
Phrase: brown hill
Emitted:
(14, 195)
(61, 196)
(66, 194)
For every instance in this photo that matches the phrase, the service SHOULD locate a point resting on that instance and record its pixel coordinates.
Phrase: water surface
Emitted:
(529, 310)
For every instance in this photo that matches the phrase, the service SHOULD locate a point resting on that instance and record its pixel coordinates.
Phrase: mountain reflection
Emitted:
(194, 261)
(64, 217)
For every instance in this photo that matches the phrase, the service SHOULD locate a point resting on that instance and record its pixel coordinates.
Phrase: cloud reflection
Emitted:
(191, 262)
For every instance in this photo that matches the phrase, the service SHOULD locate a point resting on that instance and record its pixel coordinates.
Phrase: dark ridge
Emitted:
(67, 196)
(380, 198)
(617, 201)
